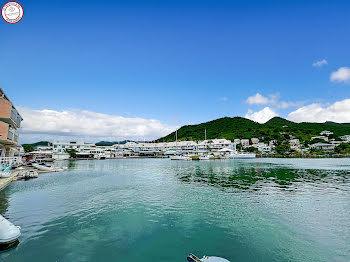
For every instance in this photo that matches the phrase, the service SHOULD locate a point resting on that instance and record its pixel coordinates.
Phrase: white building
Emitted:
(214, 145)
(255, 140)
(245, 142)
(326, 133)
(237, 141)
(323, 146)
(345, 138)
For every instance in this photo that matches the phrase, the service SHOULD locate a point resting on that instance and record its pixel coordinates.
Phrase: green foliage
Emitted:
(343, 148)
(282, 147)
(275, 129)
(28, 147)
(108, 143)
(72, 153)
(317, 140)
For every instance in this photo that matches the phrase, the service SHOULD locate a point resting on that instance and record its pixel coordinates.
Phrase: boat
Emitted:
(204, 157)
(6, 168)
(31, 174)
(242, 155)
(5, 174)
(45, 167)
(9, 234)
(193, 258)
(187, 158)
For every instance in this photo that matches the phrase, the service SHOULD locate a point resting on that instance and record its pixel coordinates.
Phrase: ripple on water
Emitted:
(147, 209)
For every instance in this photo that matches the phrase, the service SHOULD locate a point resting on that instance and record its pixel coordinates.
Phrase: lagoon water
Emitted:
(160, 210)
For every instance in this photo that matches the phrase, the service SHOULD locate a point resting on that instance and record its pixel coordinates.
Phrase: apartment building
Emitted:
(10, 121)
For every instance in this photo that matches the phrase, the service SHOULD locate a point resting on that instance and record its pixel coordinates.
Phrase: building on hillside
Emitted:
(43, 148)
(294, 142)
(326, 133)
(255, 140)
(264, 148)
(10, 121)
(323, 146)
(345, 138)
(237, 141)
(320, 137)
(245, 142)
(335, 142)
(214, 145)
(273, 143)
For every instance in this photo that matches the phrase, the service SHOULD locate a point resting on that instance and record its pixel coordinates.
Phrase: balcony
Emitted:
(12, 134)
(9, 114)
(8, 135)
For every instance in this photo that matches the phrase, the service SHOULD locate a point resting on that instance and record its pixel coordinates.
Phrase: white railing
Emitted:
(10, 160)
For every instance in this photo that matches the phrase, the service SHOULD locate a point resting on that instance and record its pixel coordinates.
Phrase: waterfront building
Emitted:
(78, 146)
(10, 121)
(323, 146)
(264, 148)
(214, 145)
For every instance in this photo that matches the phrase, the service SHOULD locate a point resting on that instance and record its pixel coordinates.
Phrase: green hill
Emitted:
(237, 127)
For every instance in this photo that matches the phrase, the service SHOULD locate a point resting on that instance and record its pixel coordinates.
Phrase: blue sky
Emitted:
(178, 62)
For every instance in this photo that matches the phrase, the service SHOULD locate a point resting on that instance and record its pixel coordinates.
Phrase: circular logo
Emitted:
(12, 12)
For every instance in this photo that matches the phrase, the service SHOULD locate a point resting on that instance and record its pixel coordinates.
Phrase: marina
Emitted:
(240, 210)
(175, 131)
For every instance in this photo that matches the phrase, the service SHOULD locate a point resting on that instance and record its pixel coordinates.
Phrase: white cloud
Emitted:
(273, 99)
(257, 99)
(261, 116)
(87, 125)
(341, 75)
(320, 63)
(338, 112)
(223, 99)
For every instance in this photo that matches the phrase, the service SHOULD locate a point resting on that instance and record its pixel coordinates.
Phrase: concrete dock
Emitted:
(4, 182)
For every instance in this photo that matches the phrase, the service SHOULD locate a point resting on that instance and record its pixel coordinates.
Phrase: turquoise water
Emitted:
(161, 210)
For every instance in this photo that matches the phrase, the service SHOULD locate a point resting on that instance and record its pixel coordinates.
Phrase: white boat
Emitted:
(193, 258)
(5, 174)
(9, 234)
(242, 155)
(45, 167)
(180, 158)
(31, 174)
(204, 157)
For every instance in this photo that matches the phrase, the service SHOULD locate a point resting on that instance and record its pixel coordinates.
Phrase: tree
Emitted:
(343, 148)
(28, 147)
(72, 153)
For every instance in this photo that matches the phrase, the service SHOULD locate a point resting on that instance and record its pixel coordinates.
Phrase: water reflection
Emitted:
(255, 177)
(4, 204)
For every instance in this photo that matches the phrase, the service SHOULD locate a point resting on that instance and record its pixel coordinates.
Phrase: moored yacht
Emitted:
(242, 155)
(9, 234)
(193, 258)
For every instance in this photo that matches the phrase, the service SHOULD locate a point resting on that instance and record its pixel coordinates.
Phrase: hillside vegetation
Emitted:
(275, 129)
